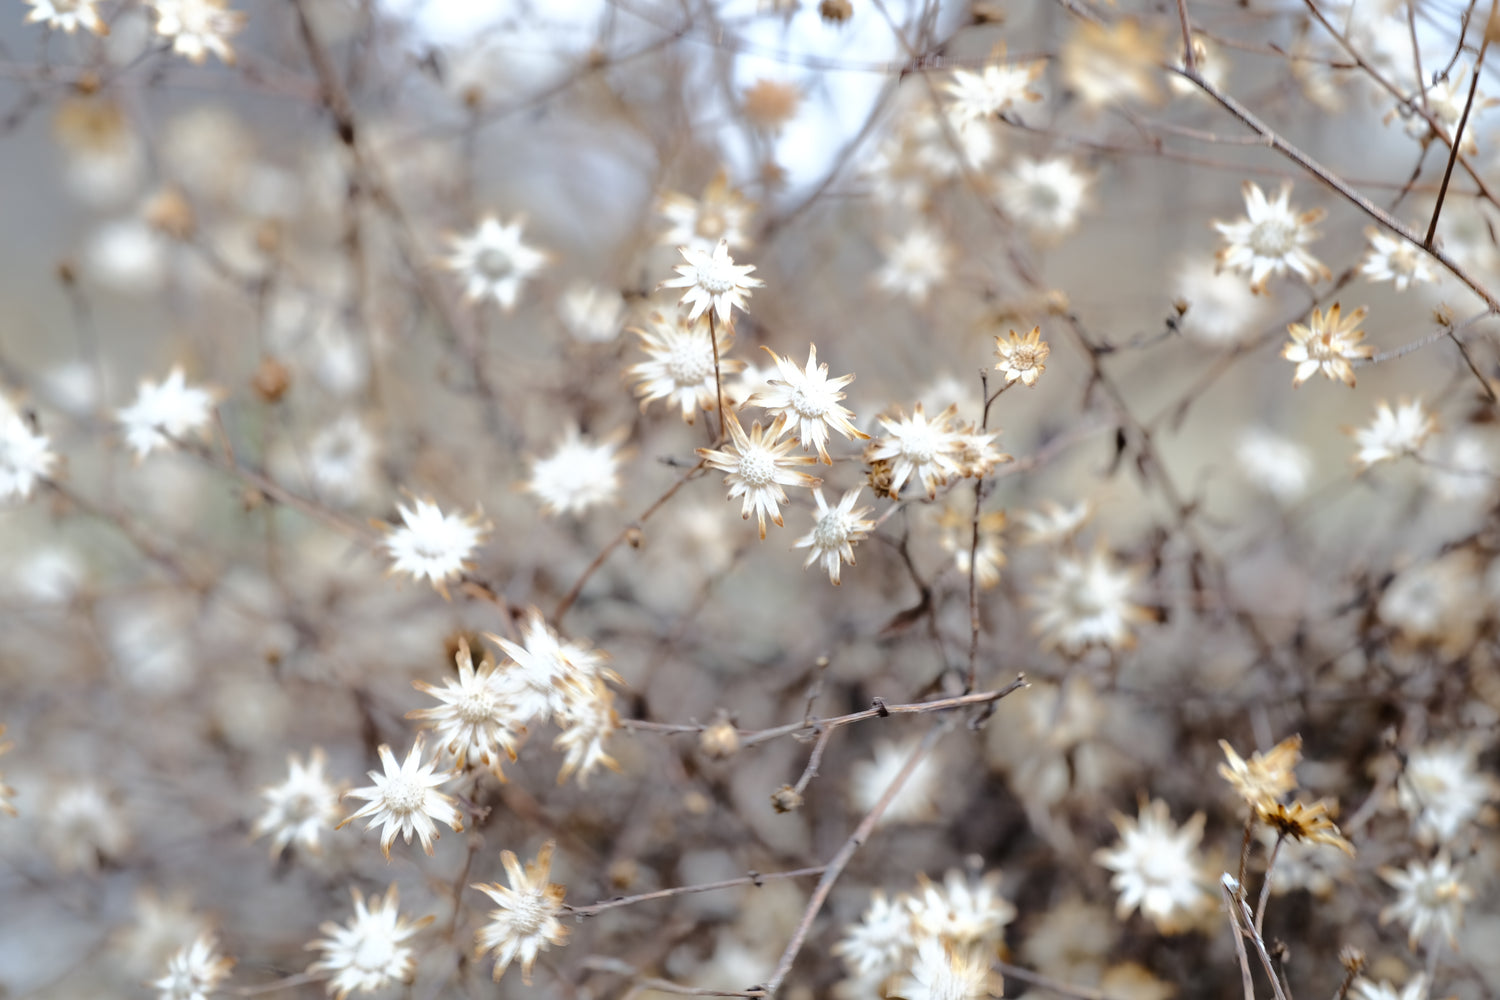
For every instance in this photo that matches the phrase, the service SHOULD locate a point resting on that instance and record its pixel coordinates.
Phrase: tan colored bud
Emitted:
(786, 799)
(720, 740)
(271, 380)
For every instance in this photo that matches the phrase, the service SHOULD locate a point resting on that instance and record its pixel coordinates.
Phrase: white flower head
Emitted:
(198, 27)
(721, 214)
(301, 808)
(917, 448)
(1271, 239)
(544, 670)
(1275, 464)
(881, 942)
(1328, 343)
(1391, 258)
(475, 718)
(432, 545)
(341, 460)
(371, 950)
(591, 313)
(578, 474)
(713, 281)
(1368, 989)
(917, 262)
(194, 971)
(680, 363)
(526, 921)
(758, 464)
(962, 911)
(67, 15)
(1157, 868)
(1221, 308)
(1442, 791)
(1430, 899)
(405, 800)
(944, 971)
(915, 802)
(166, 412)
(834, 532)
(25, 456)
(494, 263)
(995, 89)
(1045, 196)
(587, 719)
(1394, 433)
(808, 400)
(82, 824)
(1087, 602)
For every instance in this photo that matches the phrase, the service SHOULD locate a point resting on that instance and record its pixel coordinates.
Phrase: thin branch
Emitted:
(754, 878)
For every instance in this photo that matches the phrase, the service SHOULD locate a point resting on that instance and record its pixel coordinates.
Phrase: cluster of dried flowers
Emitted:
(388, 274)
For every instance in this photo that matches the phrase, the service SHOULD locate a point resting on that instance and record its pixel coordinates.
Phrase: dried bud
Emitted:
(770, 104)
(1443, 315)
(880, 475)
(271, 380)
(720, 740)
(836, 11)
(1352, 959)
(624, 873)
(786, 799)
(635, 537)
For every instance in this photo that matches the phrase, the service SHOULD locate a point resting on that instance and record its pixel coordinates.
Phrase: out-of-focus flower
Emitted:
(587, 719)
(1086, 602)
(164, 413)
(834, 532)
(713, 282)
(1447, 100)
(1044, 196)
(432, 545)
(757, 466)
(1437, 602)
(67, 15)
(879, 944)
(1394, 433)
(1220, 307)
(1391, 258)
(1112, 63)
(1023, 358)
(915, 263)
(722, 213)
(1265, 778)
(680, 363)
(1275, 464)
(1309, 824)
(1327, 343)
(300, 808)
(996, 88)
(493, 263)
(405, 800)
(1052, 523)
(545, 669)
(162, 927)
(25, 456)
(943, 971)
(808, 401)
(962, 911)
(1157, 868)
(1368, 989)
(1442, 791)
(591, 313)
(341, 460)
(1271, 239)
(578, 474)
(83, 824)
(194, 972)
(370, 951)
(956, 536)
(1430, 897)
(915, 802)
(526, 921)
(198, 27)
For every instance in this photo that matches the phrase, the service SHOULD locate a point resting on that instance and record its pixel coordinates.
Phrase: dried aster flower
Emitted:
(1157, 868)
(1263, 779)
(194, 972)
(301, 808)
(713, 281)
(369, 952)
(808, 400)
(1327, 343)
(1271, 239)
(432, 545)
(1023, 358)
(758, 465)
(526, 921)
(405, 800)
(835, 530)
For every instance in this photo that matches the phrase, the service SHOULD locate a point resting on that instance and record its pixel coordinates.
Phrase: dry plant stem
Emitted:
(572, 595)
(1189, 58)
(1265, 885)
(1245, 846)
(984, 422)
(813, 760)
(1049, 984)
(285, 983)
(836, 864)
(1239, 943)
(641, 984)
(754, 878)
(713, 339)
(1458, 136)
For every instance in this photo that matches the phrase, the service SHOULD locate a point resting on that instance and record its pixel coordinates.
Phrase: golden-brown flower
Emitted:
(1312, 824)
(1328, 343)
(1265, 777)
(1023, 358)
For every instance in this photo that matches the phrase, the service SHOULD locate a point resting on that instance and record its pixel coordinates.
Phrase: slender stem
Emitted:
(1232, 899)
(754, 878)
(713, 338)
(1189, 57)
(1265, 885)
(1458, 135)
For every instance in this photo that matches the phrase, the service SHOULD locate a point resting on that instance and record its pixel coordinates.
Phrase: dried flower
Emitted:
(432, 545)
(918, 448)
(405, 800)
(1265, 777)
(1327, 343)
(758, 465)
(1430, 897)
(943, 971)
(194, 971)
(1086, 602)
(1391, 258)
(474, 719)
(1309, 824)
(808, 401)
(834, 532)
(198, 27)
(67, 15)
(372, 950)
(1023, 358)
(713, 281)
(578, 474)
(722, 213)
(1045, 196)
(680, 363)
(300, 808)
(915, 263)
(1157, 868)
(25, 456)
(996, 88)
(962, 911)
(1271, 239)
(493, 262)
(587, 719)
(526, 921)
(1394, 433)
(165, 413)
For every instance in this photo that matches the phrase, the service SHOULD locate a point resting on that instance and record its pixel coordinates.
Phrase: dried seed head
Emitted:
(720, 740)
(271, 379)
(836, 11)
(786, 799)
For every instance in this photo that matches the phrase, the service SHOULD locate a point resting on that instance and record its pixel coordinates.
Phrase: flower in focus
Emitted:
(1263, 779)
(1327, 343)
(916, 263)
(1023, 358)
(165, 413)
(1086, 602)
(1394, 433)
(372, 950)
(917, 448)
(757, 466)
(546, 671)
(721, 214)
(1391, 258)
(405, 800)
(579, 473)
(1429, 897)
(432, 545)
(713, 281)
(834, 532)
(1157, 868)
(808, 401)
(300, 808)
(67, 15)
(995, 89)
(473, 718)
(1044, 196)
(1271, 239)
(680, 363)
(493, 262)
(526, 921)
(25, 456)
(194, 971)
(198, 27)
(1307, 824)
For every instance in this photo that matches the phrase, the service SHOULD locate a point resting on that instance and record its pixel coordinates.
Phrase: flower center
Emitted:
(404, 796)
(494, 263)
(716, 277)
(757, 467)
(711, 225)
(808, 404)
(1272, 238)
(477, 706)
(690, 363)
(831, 532)
(1045, 198)
(375, 952)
